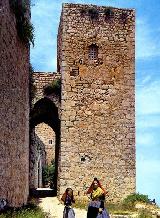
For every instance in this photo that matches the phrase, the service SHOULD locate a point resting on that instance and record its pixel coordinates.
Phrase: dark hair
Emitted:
(92, 186)
(65, 194)
(69, 189)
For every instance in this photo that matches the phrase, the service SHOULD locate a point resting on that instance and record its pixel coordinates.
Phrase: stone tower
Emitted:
(96, 58)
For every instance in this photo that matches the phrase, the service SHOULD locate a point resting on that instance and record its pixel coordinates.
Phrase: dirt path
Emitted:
(52, 206)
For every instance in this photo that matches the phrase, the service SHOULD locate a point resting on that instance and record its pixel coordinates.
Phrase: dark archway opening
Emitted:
(44, 111)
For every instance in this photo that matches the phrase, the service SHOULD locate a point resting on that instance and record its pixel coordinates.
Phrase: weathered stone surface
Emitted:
(14, 112)
(42, 79)
(47, 136)
(98, 139)
(37, 157)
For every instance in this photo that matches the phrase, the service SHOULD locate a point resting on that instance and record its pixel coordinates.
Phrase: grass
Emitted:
(81, 203)
(119, 209)
(145, 214)
(112, 208)
(116, 209)
(29, 211)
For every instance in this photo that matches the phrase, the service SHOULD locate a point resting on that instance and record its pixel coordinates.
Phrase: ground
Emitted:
(55, 208)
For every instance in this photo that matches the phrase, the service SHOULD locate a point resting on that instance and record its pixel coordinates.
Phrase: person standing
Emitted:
(96, 207)
(68, 199)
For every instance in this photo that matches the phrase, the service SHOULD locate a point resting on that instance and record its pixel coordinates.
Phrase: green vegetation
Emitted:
(54, 87)
(108, 13)
(119, 209)
(29, 211)
(48, 175)
(126, 207)
(145, 214)
(130, 201)
(24, 27)
(32, 87)
(93, 13)
(81, 203)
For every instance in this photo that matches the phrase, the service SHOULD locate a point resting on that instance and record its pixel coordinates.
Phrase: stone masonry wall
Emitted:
(14, 111)
(47, 136)
(42, 79)
(98, 100)
(37, 161)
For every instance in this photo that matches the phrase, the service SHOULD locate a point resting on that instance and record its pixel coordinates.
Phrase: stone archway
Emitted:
(43, 112)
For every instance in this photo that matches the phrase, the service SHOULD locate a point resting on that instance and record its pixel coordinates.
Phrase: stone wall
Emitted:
(42, 79)
(37, 161)
(98, 99)
(14, 112)
(47, 136)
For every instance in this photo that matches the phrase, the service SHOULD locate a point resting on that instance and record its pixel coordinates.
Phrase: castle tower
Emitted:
(96, 58)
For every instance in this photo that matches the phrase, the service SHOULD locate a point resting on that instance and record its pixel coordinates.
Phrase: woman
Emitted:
(96, 207)
(68, 199)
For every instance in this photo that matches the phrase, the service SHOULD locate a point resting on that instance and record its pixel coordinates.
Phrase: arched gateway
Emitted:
(44, 111)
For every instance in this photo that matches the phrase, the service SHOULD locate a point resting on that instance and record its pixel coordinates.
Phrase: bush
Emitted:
(24, 27)
(54, 87)
(48, 174)
(93, 13)
(108, 13)
(131, 200)
(26, 31)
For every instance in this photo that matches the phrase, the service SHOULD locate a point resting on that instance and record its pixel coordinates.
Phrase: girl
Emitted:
(96, 207)
(68, 199)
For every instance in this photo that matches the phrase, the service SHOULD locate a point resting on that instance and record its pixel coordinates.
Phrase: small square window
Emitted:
(93, 52)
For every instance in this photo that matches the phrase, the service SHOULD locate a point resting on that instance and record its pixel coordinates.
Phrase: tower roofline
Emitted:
(96, 6)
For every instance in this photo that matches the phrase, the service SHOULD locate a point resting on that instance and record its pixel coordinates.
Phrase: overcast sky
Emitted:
(45, 18)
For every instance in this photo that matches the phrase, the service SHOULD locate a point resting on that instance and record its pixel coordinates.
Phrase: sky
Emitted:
(45, 18)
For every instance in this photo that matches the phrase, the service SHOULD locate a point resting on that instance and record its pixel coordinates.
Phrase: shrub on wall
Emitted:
(54, 87)
(24, 27)
(108, 13)
(32, 87)
(93, 13)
